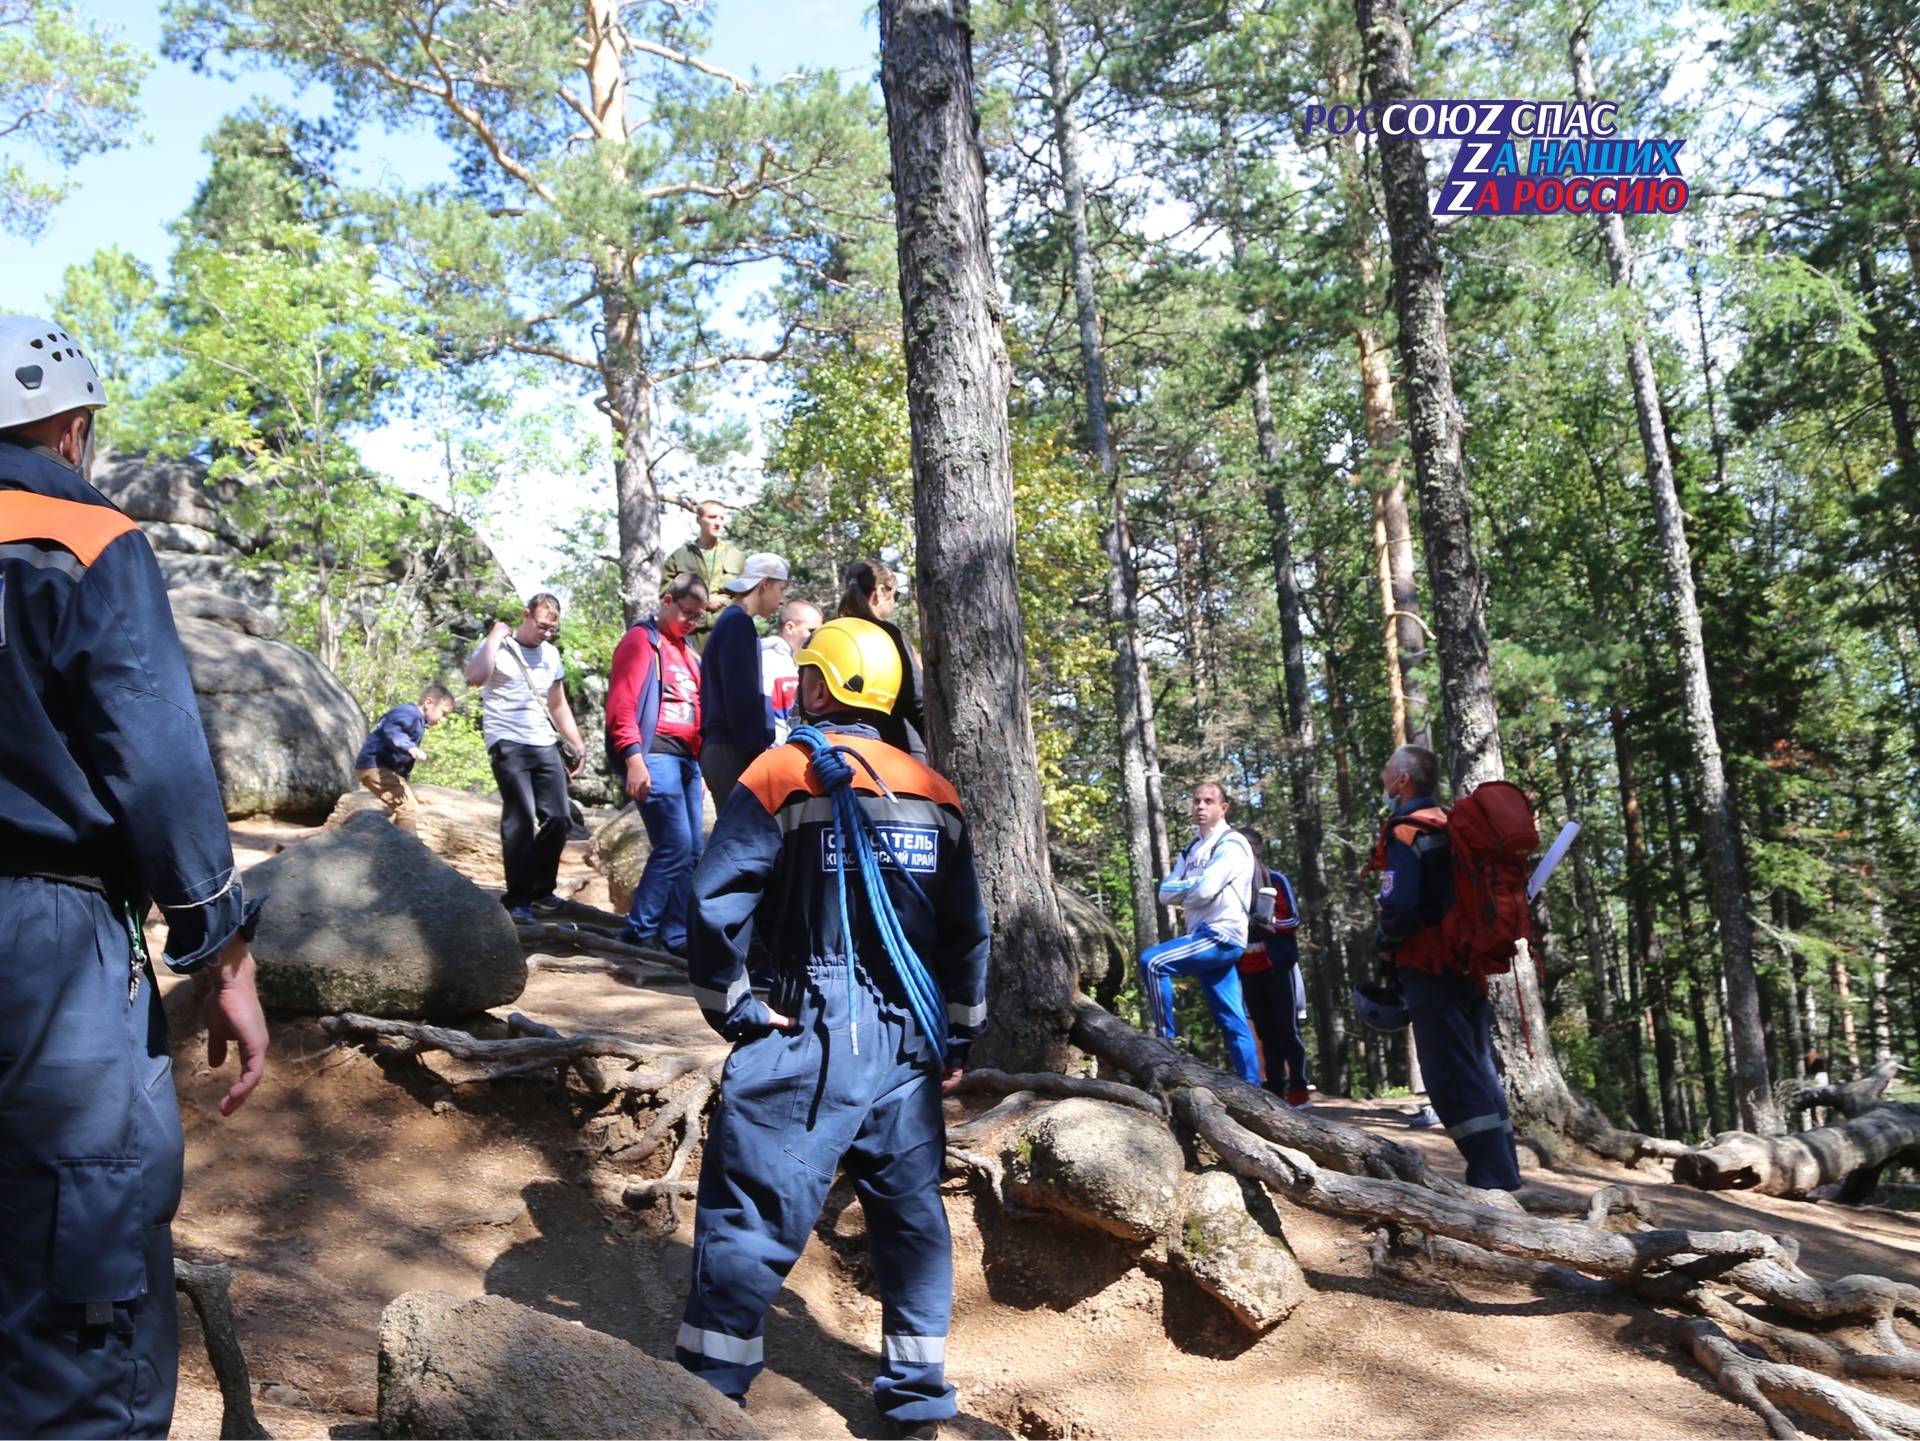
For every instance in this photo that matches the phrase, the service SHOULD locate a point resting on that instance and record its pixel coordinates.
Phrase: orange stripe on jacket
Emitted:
(86, 530)
(780, 773)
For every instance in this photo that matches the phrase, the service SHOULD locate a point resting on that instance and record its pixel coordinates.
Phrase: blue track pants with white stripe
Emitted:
(794, 1108)
(1215, 962)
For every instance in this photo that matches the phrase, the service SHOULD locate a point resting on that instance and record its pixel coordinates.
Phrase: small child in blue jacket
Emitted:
(386, 760)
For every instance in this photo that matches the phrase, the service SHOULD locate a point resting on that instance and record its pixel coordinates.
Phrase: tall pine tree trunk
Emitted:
(978, 711)
(1139, 759)
(1303, 761)
(1535, 1085)
(1404, 631)
(1753, 1086)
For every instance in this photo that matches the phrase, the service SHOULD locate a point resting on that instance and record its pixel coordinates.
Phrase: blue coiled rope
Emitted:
(856, 836)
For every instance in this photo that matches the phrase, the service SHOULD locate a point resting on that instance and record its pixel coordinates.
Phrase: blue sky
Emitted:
(128, 197)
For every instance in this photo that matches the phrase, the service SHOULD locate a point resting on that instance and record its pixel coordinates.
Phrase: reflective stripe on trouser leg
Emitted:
(791, 1107)
(1452, 1025)
(895, 1169)
(90, 1163)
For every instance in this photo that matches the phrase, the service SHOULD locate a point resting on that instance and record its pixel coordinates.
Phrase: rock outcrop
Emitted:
(1106, 1166)
(282, 729)
(1232, 1244)
(366, 918)
(490, 1367)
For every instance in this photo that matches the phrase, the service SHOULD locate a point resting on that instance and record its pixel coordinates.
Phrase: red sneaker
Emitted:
(1299, 1099)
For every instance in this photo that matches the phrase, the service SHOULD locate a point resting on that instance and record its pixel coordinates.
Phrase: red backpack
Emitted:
(1493, 836)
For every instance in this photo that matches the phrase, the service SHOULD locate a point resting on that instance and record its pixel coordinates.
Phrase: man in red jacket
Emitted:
(653, 740)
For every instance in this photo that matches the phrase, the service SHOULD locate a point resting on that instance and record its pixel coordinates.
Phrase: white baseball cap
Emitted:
(761, 565)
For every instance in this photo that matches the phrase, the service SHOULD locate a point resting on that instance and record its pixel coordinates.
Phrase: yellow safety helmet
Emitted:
(858, 661)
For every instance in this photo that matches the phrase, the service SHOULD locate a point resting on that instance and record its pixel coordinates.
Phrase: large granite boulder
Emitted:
(366, 918)
(1106, 1166)
(461, 828)
(1100, 952)
(282, 729)
(1232, 1244)
(490, 1367)
(619, 852)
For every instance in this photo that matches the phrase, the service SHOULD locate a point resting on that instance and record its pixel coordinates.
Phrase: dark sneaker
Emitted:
(1425, 1119)
(522, 916)
(628, 936)
(548, 905)
(918, 1430)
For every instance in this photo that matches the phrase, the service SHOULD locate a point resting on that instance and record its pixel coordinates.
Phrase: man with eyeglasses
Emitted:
(524, 717)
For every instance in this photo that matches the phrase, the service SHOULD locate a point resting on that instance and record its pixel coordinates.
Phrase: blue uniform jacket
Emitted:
(104, 769)
(1416, 886)
(767, 871)
(392, 741)
(733, 707)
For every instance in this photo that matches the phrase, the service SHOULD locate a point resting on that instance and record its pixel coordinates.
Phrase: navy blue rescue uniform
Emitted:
(107, 800)
(1452, 1017)
(856, 1084)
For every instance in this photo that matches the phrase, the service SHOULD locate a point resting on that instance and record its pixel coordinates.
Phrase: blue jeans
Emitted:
(1214, 961)
(795, 1109)
(1453, 1026)
(671, 814)
(90, 1168)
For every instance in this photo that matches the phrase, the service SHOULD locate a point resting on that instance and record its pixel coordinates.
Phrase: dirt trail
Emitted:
(347, 1181)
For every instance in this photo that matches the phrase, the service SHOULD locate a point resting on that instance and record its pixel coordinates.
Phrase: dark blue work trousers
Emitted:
(90, 1167)
(1453, 1027)
(671, 814)
(794, 1108)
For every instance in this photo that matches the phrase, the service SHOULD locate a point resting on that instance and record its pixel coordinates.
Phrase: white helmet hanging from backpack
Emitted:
(43, 373)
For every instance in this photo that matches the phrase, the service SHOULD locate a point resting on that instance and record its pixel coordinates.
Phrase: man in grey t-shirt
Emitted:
(524, 717)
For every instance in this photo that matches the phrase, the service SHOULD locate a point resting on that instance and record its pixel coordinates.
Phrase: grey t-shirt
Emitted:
(511, 710)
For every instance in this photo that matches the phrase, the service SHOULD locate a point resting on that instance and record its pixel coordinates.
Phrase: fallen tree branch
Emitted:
(1046, 1083)
(1793, 1166)
(691, 1101)
(990, 1121)
(1767, 1385)
(206, 1287)
(1855, 1097)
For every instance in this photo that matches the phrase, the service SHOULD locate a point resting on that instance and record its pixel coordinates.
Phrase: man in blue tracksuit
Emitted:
(1452, 1017)
(1213, 882)
(834, 1068)
(107, 802)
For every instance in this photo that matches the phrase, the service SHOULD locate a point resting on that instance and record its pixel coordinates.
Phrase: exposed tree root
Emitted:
(559, 933)
(206, 1287)
(1766, 1386)
(649, 1067)
(1157, 1066)
(1047, 1083)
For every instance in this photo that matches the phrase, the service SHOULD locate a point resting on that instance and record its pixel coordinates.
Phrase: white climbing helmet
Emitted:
(42, 372)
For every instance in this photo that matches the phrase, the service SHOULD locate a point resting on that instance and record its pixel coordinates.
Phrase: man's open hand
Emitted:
(233, 1016)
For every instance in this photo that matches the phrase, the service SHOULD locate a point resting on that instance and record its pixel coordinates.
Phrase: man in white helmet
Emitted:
(108, 804)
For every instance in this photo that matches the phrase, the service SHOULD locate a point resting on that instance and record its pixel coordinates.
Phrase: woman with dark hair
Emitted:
(870, 594)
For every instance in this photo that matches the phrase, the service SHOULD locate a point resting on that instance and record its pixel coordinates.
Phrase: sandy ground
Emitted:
(347, 1181)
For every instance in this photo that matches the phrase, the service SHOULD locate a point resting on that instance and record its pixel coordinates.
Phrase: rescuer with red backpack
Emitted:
(1453, 905)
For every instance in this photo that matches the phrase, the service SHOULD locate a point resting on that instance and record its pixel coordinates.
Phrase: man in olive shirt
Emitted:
(714, 560)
